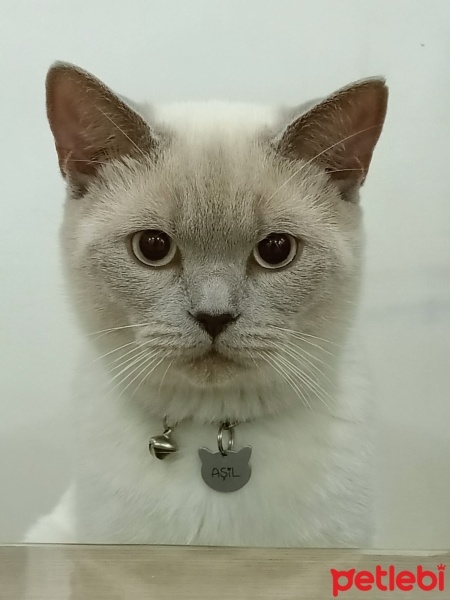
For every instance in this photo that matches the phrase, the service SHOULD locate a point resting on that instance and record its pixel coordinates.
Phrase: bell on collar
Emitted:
(161, 446)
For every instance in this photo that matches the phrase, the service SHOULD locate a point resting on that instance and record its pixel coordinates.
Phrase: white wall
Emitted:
(268, 51)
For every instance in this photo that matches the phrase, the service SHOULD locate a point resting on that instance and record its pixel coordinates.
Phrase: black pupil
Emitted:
(154, 245)
(275, 248)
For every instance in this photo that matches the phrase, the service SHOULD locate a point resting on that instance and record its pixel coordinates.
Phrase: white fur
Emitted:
(310, 483)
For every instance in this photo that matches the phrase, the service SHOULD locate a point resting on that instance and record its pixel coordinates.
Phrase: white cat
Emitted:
(213, 253)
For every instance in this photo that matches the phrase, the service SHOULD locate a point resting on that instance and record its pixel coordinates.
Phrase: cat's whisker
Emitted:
(129, 364)
(318, 390)
(141, 347)
(163, 377)
(313, 385)
(295, 352)
(110, 329)
(306, 341)
(94, 162)
(343, 170)
(301, 334)
(143, 360)
(155, 366)
(133, 363)
(295, 342)
(263, 399)
(151, 371)
(113, 351)
(140, 382)
(286, 377)
(298, 352)
(308, 162)
(331, 171)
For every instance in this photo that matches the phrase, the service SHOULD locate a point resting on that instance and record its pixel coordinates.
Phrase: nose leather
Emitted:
(214, 324)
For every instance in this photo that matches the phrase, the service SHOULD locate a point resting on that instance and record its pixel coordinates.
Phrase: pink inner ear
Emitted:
(90, 124)
(341, 132)
(66, 122)
(361, 131)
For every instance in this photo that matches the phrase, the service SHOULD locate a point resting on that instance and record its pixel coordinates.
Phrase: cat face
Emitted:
(216, 250)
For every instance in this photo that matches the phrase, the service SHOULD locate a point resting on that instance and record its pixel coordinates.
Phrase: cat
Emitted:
(213, 254)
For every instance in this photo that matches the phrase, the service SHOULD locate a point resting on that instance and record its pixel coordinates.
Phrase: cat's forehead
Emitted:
(216, 192)
(215, 166)
(236, 189)
(216, 189)
(212, 189)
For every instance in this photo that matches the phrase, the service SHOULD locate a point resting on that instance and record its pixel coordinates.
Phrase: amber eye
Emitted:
(153, 247)
(276, 250)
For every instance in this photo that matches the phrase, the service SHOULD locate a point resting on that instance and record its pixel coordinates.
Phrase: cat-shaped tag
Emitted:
(226, 472)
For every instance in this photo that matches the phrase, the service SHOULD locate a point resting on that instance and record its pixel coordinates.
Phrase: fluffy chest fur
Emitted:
(308, 486)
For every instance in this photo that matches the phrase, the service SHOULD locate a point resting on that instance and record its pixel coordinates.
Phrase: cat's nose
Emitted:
(214, 324)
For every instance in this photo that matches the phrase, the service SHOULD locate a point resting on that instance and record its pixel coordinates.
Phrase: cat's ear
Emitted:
(340, 133)
(90, 124)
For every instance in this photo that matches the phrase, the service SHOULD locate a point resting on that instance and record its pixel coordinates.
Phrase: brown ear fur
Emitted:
(340, 133)
(90, 124)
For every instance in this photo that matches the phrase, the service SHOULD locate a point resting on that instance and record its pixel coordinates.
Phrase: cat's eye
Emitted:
(276, 250)
(154, 248)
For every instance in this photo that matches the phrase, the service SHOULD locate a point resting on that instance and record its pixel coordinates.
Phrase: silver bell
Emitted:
(160, 446)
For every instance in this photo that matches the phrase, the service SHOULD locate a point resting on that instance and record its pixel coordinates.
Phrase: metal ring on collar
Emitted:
(225, 427)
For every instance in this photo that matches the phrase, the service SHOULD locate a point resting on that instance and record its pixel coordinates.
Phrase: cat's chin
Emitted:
(212, 369)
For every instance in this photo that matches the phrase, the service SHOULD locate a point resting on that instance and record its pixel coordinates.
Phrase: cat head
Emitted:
(215, 247)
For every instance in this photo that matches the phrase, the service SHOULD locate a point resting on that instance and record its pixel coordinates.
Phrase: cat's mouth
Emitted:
(213, 358)
(211, 367)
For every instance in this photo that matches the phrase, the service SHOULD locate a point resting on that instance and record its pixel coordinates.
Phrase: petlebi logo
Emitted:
(388, 580)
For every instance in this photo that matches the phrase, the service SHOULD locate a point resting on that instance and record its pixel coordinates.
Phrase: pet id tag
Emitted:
(226, 470)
